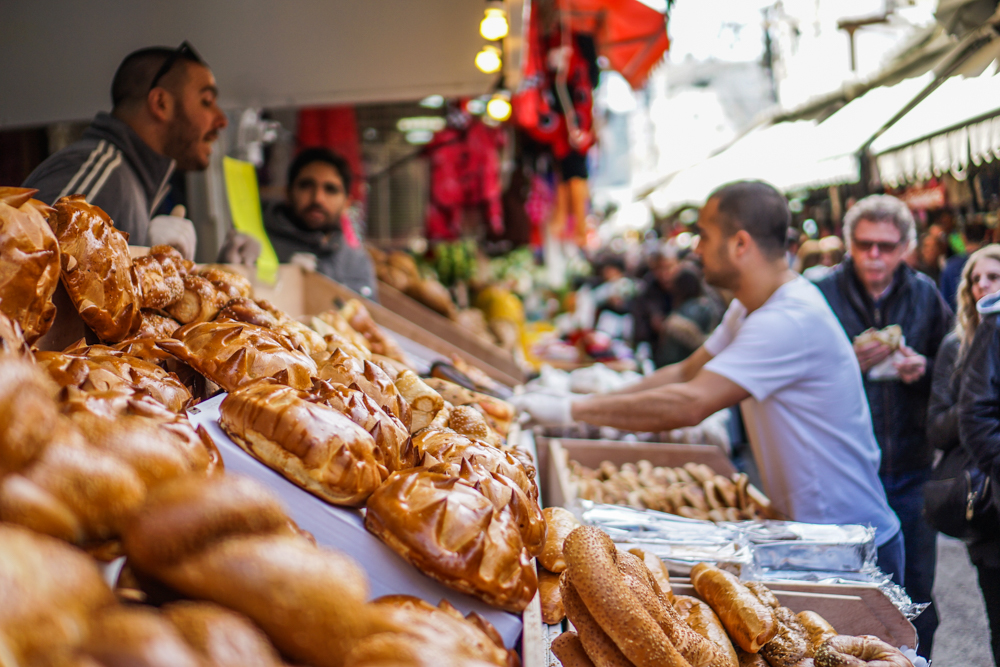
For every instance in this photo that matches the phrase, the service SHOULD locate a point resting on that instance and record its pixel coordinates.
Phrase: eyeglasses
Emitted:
(185, 51)
(884, 247)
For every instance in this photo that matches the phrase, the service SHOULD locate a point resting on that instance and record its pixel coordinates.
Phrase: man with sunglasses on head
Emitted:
(872, 289)
(164, 117)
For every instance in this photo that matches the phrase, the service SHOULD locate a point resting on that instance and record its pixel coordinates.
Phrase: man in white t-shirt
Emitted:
(781, 354)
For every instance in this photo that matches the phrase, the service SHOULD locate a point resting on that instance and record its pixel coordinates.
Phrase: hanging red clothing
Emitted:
(465, 173)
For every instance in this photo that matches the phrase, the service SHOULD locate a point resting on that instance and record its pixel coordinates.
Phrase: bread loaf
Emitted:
(749, 622)
(425, 636)
(424, 402)
(228, 541)
(437, 446)
(346, 370)
(232, 354)
(97, 269)
(559, 524)
(379, 341)
(98, 368)
(553, 611)
(394, 449)
(847, 651)
(221, 637)
(160, 281)
(29, 262)
(200, 302)
(156, 326)
(700, 618)
(453, 533)
(311, 444)
(49, 591)
(569, 650)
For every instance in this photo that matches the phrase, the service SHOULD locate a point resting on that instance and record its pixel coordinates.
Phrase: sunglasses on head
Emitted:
(884, 247)
(185, 51)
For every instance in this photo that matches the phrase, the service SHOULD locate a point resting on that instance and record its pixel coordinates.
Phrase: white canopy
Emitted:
(957, 123)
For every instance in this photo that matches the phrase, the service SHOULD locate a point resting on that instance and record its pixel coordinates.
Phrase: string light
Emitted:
(488, 60)
(494, 25)
(498, 108)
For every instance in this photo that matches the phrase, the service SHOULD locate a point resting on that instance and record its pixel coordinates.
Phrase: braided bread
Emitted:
(227, 540)
(346, 370)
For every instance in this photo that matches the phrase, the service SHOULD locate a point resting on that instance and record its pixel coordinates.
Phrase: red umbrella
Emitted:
(630, 34)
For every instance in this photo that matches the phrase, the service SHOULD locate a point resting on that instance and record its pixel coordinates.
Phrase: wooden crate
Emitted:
(555, 454)
(852, 609)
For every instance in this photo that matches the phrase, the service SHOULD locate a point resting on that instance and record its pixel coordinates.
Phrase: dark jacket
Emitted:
(979, 399)
(335, 258)
(942, 408)
(114, 169)
(944, 427)
(899, 410)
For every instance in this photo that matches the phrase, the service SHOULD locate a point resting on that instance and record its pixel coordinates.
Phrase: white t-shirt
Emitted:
(807, 416)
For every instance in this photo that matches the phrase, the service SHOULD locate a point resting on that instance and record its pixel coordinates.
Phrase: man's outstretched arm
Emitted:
(682, 371)
(661, 409)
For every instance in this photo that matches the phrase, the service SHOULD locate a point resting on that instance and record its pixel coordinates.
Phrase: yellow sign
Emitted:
(244, 207)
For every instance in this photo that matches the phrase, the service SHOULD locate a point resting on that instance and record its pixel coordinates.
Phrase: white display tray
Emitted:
(343, 529)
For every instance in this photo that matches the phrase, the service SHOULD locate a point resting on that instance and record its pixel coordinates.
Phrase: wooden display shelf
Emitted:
(441, 326)
(300, 292)
(555, 454)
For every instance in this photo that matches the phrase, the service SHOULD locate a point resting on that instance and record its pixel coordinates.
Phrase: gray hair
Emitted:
(881, 208)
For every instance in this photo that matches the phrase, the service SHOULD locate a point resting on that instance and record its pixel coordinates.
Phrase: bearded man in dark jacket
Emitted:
(312, 226)
(873, 288)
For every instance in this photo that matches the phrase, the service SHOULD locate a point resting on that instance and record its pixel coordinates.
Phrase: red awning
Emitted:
(630, 34)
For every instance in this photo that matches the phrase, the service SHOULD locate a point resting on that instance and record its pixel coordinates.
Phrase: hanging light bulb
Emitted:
(498, 108)
(494, 25)
(488, 59)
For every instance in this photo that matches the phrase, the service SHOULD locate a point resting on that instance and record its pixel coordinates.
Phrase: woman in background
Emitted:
(980, 278)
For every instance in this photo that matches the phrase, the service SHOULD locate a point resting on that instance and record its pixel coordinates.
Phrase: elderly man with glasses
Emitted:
(872, 289)
(164, 117)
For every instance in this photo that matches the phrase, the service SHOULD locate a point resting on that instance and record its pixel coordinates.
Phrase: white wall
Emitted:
(57, 57)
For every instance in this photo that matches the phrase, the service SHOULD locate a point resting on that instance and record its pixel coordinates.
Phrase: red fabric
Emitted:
(465, 172)
(350, 237)
(535, 106)
(335, 128)
(631, 35)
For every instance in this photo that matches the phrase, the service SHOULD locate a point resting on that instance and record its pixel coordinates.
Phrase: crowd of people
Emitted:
(846, 427)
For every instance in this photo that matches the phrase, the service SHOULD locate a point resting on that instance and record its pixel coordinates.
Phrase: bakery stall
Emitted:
(292, 488)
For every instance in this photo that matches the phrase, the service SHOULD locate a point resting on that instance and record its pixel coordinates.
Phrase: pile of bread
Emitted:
(624, 613)
(333, 407)
(694, 491)
(237, 585)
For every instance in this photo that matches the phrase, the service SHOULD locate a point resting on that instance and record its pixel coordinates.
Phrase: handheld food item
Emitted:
(97, 269)
(29, 262)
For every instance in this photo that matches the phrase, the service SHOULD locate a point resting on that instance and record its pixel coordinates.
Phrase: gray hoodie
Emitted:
(335, 257)
(114, 169)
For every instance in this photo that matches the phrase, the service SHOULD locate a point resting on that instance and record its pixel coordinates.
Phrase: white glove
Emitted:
(174, 230)
(306, 260)
(239, 248)
(546, 409)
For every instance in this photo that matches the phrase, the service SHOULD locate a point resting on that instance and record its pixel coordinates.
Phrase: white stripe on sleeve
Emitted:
(104, 177)
(98, 169)
(95, 154)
